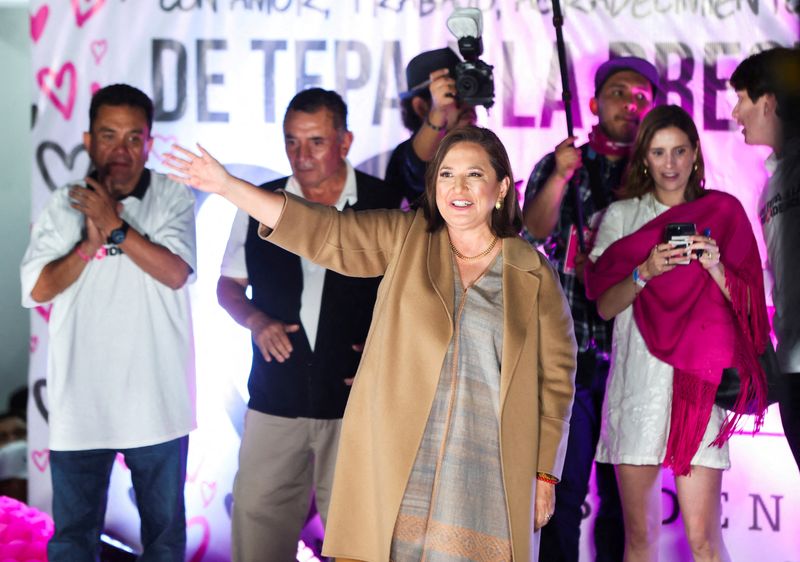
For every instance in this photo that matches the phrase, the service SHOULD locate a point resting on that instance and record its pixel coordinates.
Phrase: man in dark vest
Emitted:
(308, 326)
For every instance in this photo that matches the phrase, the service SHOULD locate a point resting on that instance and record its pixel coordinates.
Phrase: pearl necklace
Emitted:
(461, 256)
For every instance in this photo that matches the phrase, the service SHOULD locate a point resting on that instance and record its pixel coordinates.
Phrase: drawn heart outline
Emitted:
(207, 491)
(38, 398)
(99, 48)
(48, 78)
(205, 539)
(162, 144)
(81, 16)
(41, 458)
(68, 159)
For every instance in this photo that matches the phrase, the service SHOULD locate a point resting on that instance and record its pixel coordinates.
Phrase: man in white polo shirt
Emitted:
(113, 255)
(308, 325)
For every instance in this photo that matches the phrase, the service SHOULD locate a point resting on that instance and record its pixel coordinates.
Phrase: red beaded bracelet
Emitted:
(544, 477)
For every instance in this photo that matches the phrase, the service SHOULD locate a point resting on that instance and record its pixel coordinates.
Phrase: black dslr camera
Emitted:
(474, 79)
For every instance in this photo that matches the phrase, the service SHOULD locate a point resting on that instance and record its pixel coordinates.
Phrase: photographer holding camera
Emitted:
(429, 109)
(442, 94)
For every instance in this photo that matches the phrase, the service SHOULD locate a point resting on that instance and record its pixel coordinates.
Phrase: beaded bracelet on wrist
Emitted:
(84, 258)
(544, 477)
(436, 128)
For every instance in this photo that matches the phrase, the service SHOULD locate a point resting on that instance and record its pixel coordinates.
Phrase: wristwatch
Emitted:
(118, 235)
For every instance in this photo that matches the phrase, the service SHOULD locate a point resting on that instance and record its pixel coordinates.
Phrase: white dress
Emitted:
(638, 402)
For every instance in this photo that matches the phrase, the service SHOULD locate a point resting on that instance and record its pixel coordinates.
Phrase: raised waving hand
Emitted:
(205, 173)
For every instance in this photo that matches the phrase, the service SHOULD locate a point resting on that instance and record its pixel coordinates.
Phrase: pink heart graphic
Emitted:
(44, 311)
(34, 345)
(99, 49)
(162, 144)
(82, 15)
(208, 490)
(94, 87)
(204, 540)
(41, 459)
(38, 21)
(47, 78)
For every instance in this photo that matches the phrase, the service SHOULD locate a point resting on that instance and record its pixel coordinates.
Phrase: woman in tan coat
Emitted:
(456, 427)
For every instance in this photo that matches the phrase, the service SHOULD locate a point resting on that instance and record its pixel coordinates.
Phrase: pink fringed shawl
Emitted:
(687, 322)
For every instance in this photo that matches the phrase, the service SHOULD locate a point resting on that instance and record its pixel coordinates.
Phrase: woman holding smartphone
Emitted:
(682, 314)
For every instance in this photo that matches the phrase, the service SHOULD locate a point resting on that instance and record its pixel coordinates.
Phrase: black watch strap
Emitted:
(118, 235)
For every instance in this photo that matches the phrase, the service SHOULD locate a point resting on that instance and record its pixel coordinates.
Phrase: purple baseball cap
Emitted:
(636, 64)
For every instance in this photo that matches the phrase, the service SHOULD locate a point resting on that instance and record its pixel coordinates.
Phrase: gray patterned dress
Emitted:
(454, 506)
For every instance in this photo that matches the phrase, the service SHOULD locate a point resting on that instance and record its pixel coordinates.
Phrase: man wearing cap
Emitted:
(624, 90)
(429, 110)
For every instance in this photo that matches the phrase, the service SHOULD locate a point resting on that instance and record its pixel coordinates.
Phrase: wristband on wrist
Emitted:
(84, 257)
(545, 477)
(436, 128)
(638, 279)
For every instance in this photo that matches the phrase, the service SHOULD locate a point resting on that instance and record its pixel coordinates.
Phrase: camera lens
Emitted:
(467, 86)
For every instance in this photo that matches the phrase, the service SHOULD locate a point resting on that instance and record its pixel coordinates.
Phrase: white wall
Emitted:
(15, 197)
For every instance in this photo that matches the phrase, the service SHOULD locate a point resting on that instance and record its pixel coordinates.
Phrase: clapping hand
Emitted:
(98, 206)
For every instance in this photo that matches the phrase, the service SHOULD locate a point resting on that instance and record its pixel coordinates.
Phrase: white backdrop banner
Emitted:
(221, 72)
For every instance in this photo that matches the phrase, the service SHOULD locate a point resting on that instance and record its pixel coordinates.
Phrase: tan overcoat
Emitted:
(411, 329)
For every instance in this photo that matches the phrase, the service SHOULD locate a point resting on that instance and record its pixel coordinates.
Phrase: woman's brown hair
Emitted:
(505, 222)
(638, 181)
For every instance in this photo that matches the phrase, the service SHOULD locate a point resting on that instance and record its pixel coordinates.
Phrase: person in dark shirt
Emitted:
(767, 86)
(624, 91)
(429, 108)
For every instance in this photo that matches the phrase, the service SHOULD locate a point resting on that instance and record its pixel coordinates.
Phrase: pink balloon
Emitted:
(15, 548)
(39, 526)
(24, 532)
(36, 550)
(18, 531)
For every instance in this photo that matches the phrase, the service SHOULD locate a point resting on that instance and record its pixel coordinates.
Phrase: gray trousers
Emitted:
(280, 461)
